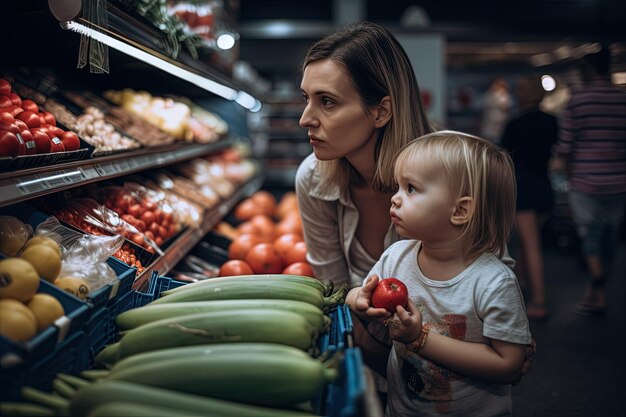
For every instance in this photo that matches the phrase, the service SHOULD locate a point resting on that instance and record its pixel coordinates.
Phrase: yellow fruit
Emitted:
(17, 322)
(43, 240)
(46, 261)
(46, 309)
(73, 285)
(18, 279)
(13, 235)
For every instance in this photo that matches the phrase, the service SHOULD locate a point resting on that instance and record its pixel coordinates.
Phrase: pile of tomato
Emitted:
(269, 238)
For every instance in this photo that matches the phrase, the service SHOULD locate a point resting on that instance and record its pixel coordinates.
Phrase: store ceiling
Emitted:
(480, 34)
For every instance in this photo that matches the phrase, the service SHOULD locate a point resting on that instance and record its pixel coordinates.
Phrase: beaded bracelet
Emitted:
(417, 345)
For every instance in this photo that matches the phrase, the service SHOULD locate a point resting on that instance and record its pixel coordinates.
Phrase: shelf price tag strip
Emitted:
(40, 183)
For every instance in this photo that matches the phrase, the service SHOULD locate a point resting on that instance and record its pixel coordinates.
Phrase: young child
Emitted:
(460, 342)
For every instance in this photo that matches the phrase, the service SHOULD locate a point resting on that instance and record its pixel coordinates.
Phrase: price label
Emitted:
(30, 185)
(104, 170)
(64, 178)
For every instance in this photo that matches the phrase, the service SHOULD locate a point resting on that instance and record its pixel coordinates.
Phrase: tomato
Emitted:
(15, 99)
(49, 118)
(264, 259)
(42, 141)
(297, 253)
(246, 210)
(264, 225)
(389, 293)
(235, 267)
(29, 142)
(135, 210)
(5, 101)
(10, 145)
(10, 128)
(239, 247)
(148, 217)
(265, 201)
(29, 105)
(5, 87)
(30, 118)
(57, 145)
(285, 242)
(299, 268)
(70, 139)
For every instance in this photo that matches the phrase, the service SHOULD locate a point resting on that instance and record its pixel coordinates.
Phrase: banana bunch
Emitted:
(231, 346)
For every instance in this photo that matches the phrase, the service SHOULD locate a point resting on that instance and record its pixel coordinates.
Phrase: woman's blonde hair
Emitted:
(475, 168)
(378, 66)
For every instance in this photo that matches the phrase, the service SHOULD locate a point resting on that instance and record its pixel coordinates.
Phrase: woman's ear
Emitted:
(462, 211)
(382, 112)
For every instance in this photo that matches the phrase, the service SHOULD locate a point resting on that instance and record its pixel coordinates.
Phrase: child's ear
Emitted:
(462, 211)
(382, 112)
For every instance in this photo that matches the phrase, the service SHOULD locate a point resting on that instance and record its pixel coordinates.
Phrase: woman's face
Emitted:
(338, 125)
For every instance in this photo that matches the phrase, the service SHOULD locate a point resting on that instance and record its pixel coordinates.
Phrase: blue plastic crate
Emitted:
(97, 329)
(15, 354)
(69, 356)
(340, 328)
(126, 276)
(345, 396)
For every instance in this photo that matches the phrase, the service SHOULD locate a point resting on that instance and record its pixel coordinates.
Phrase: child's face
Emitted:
(422, 206)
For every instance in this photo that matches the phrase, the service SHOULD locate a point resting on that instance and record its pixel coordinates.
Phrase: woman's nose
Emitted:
(307, 118)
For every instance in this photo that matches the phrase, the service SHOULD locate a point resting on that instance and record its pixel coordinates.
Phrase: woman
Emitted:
(363, 105)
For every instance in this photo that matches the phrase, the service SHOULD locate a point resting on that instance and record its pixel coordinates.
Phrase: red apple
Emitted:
(70, 141)
(389, 293)
(15, 99)
(29, 105)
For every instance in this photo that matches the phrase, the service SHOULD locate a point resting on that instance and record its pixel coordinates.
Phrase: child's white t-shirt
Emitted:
(483, 302)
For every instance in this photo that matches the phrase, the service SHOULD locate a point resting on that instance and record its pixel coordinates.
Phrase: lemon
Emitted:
(18, 279)
(17, 322)
(47, 261)
(46, 308)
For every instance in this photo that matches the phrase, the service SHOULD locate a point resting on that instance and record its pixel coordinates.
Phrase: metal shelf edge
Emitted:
(23, 185)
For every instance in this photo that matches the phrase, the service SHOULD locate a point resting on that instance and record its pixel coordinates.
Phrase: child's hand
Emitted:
(406, 324)
(363, 303)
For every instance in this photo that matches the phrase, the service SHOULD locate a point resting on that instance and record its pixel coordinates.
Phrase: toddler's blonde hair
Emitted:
(475, 168)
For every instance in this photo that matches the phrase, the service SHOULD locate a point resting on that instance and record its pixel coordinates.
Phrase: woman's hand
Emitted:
(406, 324)
(363, 302)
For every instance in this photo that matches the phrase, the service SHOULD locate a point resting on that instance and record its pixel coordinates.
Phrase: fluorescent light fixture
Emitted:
(202, 82)
(225, 41)
(548, 83)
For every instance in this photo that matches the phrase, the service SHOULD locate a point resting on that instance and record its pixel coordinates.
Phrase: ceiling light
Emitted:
(548, 83)
(225, 41)
(207, 84)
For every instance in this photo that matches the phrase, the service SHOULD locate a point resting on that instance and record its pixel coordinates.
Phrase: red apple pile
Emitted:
(25, 130)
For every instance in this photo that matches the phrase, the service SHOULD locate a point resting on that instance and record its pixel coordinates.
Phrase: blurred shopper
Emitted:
(529, 138)
(496, 108)
(592, 148)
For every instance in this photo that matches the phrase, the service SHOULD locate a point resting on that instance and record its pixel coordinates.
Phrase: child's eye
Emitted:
(305, 97)
(410, 189)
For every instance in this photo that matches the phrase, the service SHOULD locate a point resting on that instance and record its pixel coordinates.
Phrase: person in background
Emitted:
(592, 150)
(496, 107)
(461, 339)
(529, 139)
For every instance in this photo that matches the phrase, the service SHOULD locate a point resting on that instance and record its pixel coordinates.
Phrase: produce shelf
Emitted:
(190, 237)
(25, 184)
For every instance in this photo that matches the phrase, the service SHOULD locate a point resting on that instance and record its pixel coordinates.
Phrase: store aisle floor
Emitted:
(579, 369)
